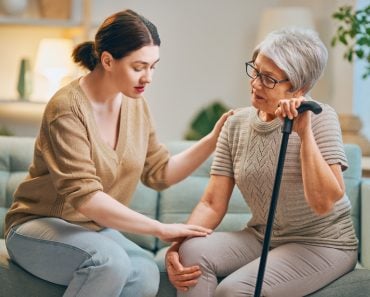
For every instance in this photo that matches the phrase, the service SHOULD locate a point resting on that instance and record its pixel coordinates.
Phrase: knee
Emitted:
(191, 251)
(148, 279)
(144, 279)
(115, 264)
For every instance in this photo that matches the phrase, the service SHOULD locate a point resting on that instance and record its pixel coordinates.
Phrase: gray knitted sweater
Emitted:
(248, 150)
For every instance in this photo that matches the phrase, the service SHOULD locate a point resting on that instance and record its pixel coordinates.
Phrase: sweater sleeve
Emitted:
(67, 153)
(222, 163)
(156, 159)
(328, 136)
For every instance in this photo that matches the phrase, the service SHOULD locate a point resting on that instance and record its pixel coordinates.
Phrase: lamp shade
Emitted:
(54, 62)
(279, 17)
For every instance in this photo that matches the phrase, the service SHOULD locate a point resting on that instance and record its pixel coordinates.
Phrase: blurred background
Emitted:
(205, 44)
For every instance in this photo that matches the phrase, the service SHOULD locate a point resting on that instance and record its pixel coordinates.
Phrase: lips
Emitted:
(140, 89)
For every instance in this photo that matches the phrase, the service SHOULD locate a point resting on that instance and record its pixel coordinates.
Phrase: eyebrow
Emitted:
(145, 63)
(268, 73)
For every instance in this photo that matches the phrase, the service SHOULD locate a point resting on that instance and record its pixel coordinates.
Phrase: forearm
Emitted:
(108, 212)
(321, 186)
(183, 164)
(204, 215)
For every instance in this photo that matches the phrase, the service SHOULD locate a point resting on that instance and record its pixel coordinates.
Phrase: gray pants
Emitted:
(90, 263)
(292, 269)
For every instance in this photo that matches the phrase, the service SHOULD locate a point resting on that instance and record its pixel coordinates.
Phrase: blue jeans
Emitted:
(89, 263)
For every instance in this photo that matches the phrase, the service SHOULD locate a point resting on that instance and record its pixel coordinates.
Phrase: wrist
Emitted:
(157, 229)
(211, 139)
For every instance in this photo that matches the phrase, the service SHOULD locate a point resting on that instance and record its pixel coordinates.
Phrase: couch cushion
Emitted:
(352, 179)
(145, 201)
(15, 158)
(17, 282)
(356, 284)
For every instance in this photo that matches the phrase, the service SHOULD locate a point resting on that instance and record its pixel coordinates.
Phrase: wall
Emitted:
(204, 47)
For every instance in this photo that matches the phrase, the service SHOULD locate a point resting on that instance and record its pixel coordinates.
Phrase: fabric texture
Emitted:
(292, 269)
(71, 162)
(83, 257)
(248, 151)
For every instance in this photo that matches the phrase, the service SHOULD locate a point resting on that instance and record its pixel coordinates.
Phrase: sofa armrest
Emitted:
(365, 222)
(3, 211)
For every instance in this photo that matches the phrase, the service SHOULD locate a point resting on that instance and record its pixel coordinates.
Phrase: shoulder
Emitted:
(327, 116)
(66, 101)
(240, 116)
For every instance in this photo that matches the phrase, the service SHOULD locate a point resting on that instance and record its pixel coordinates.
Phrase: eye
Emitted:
(268, 80)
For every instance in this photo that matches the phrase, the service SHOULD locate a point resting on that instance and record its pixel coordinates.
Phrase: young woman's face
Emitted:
(134, 72)
(264, 99)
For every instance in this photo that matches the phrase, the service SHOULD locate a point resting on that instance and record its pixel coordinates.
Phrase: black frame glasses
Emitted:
(268, 81)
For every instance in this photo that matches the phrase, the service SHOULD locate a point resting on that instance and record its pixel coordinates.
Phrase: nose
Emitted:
(147, 77)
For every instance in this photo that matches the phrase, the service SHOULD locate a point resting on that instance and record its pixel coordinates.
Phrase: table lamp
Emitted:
(279, 17)
(54, 63)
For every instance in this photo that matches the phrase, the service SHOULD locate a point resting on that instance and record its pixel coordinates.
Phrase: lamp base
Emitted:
(351, 132)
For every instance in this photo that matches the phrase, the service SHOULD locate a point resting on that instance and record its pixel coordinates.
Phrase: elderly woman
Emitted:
(313, 240)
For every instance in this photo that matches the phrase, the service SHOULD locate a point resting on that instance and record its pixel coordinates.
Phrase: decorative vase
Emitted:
(351, 132)
(13, 7)
(24, 80)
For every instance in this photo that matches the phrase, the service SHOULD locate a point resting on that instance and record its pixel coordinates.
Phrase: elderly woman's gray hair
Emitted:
(298, 52)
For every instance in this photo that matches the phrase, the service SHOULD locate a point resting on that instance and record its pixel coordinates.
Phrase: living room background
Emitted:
(204, 47)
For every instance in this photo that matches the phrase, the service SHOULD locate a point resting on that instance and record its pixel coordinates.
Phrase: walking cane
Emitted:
(286, 130)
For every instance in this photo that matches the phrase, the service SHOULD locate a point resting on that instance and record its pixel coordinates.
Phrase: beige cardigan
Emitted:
(71, 162)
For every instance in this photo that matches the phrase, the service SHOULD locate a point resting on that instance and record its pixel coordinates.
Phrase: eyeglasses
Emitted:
(268, 81)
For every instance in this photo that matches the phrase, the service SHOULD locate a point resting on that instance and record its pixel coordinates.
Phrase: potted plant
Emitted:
(204, 120)
(354, 33)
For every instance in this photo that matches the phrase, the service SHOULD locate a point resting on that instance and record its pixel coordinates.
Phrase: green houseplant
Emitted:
(204, 120)
(353, 32)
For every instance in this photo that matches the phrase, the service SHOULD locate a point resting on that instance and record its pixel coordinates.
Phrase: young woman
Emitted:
(96, 142)
(313, 240)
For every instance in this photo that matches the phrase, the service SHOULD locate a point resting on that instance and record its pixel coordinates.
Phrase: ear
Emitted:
(106, 60)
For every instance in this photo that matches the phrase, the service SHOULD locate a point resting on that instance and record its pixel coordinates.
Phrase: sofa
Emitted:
(174, 205)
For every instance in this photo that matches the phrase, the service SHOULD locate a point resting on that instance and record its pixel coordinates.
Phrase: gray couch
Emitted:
(174, 205)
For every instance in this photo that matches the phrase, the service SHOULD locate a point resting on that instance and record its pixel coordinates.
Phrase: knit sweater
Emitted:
(71, 162)
(248, 150)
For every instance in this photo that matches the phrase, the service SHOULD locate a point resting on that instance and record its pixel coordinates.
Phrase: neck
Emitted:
(266, 117)
(98, 87)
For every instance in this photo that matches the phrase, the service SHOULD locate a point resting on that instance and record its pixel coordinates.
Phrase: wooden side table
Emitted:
(365, 163)
(21, 118)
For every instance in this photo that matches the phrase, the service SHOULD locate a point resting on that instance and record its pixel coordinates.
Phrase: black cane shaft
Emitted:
(271, 215)
(286, 130)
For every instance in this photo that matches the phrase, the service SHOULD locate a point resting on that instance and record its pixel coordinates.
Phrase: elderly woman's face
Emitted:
(263, 98)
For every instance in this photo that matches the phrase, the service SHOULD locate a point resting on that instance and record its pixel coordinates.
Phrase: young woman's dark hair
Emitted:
(120, 34)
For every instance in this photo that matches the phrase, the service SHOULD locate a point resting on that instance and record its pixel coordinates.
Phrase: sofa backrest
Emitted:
(171, 205)
(15, 157)
(352, 180)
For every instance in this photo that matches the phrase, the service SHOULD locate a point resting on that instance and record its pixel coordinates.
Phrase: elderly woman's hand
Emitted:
(181, 277)
(288, 108)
